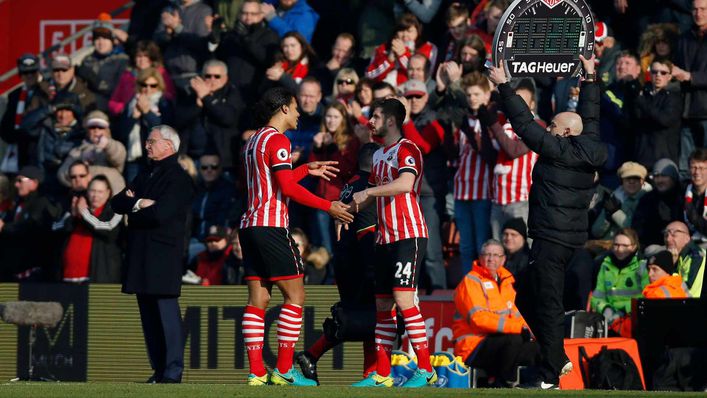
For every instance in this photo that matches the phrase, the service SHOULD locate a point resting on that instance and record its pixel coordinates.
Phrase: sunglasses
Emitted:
(77, 176)
(96, 128)
(416, 96)
(59, 70)
(143, 84)
(660, 72)
(25, 73)
(210, 167)
(208, 76)
(345, 81)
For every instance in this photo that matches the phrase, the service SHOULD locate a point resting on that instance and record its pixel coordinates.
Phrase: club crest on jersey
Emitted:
(410, 161)
(282, 154)
(551, 3)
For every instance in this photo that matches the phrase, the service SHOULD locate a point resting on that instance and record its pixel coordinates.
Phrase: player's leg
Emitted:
(409, 254)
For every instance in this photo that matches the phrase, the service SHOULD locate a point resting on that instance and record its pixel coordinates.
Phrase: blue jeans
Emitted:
(472, 219)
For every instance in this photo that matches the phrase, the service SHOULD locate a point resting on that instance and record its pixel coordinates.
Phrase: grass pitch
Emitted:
(101, 390)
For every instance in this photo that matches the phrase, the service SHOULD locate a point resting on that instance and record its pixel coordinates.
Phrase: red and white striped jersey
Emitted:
(400, 216)
(472, 180)
(266, 152)
(513, 177)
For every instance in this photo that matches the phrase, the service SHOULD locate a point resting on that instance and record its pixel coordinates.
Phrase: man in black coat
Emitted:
(248, 49)
(157, 202)
(23, 228)
(563, 183)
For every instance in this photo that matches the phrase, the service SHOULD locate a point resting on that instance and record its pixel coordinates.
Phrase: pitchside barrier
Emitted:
(100, 338)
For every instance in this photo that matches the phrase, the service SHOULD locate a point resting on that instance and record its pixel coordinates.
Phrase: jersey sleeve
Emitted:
(409, 159)
(278, 153)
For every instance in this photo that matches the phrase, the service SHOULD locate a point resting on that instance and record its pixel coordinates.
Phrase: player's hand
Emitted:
(358, 198)
(323, 169)
(588, 64)
(337, 227)
(339, 212)
(497, 74)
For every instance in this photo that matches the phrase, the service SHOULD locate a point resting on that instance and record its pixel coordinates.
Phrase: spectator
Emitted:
(181, 34)
(92, 253)
(657, 112)
(449, 98)
(390, 62)
(247, 49)
(56, 130)
(291, 15)
(616, 125)
(471, 54)
(419, 69)
(6, 197)
(620, 207)
(472, 181)
(298, 58)
(514, 165)
(689, 257)
(215, 202)
(422, 128)
(622, 277)
(210, 122)
(188, 165)
(335, 142)
(657, 208)
(218, 264)
(342, 56)
(23, 227)
(309, 99)
(345, 86)
(360, 108)
(607, 50)
(457, 20)
(103, 67)
(64, 79)
(147, 109)
(146, 55)
(663, 282)
(18, 104)
(657, 41)
(489, 331)
(485, 20)
(695, 198)
(691, 71)
(99, 151)
(515, 243)
(315, 259)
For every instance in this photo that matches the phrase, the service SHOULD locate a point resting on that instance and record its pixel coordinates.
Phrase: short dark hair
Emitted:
(78, 163)
(103, 179)
(270, 104)
(149, 48)
(391, 107)
(630, 54)
(383, 86)
(405, 22)
(526, 84)
(365, 155)
(699, 155)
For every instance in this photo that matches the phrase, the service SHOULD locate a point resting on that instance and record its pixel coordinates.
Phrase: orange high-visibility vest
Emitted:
(667, 287)
(484, 307)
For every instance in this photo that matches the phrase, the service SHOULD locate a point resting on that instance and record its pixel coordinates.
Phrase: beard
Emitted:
(471, 66)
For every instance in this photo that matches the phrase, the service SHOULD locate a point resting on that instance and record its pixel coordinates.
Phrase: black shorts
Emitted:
(398, 265)
(270, 254)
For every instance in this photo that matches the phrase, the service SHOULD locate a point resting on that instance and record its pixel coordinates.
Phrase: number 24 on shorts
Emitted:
(403, 270)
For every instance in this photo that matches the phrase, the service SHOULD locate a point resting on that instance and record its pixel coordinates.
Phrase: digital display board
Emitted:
(537, 38)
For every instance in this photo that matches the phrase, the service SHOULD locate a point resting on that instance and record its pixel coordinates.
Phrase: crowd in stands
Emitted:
(74, 133)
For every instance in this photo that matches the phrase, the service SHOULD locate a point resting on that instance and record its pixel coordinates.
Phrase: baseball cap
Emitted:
(27, 63)
(216, 233)
(413, 87)
(32, 172)
(97, 119)
(61, 61)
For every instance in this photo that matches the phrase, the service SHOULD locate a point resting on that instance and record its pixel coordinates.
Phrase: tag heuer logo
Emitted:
(551, 3)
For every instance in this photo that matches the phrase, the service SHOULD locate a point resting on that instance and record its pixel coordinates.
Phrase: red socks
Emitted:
(253, 334)
(288, 327)
(386, 332)
(369, 357)
(417, 333)
(320, 347)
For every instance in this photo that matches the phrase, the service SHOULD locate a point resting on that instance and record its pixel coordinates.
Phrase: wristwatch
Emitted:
(590, 76)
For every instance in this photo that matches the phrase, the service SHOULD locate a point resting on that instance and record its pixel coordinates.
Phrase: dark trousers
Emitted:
(544, 310)
(162, 327)
(434, 259)
(500, 354)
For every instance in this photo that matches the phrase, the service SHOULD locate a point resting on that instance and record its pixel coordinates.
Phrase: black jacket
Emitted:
(657, 127)
(692, 56)
(563, 177)
(248, 53)
(654, 212)
(213, 127)
(9, 134)
(24, 233)
(156, 234)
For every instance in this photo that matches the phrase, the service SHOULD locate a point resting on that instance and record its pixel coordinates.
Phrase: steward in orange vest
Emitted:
(663, 283)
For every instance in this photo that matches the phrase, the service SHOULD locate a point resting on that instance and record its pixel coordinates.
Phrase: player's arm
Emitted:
(400, 185)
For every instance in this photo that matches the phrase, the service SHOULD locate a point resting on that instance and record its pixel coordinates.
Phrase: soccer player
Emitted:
(400, 243)
(270, 255)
